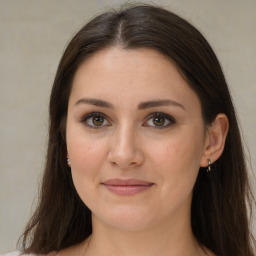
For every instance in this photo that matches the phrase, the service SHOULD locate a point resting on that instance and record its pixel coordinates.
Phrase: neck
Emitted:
(172, 238)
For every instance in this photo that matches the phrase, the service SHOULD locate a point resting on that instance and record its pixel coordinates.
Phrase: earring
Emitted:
(209, 165)
(68, 162)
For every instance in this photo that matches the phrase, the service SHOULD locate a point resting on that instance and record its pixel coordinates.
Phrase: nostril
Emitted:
(123, 165)
(114, 163)
(125, 155)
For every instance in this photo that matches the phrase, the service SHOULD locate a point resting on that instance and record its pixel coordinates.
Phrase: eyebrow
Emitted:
(95, 102)
(141, 106)
(159, 103)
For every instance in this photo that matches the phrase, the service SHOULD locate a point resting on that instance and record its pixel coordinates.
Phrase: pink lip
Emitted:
(127, 187)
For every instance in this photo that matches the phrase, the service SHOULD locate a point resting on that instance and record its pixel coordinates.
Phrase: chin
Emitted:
(126, 219)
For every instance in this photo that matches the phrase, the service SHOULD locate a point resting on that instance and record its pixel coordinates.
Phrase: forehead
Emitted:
(119, 63)
(130, 75)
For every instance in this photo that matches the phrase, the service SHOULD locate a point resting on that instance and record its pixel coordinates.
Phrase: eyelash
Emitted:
(91, 115)
(166, 117)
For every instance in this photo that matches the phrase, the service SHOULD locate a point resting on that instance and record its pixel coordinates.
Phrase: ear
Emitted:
(215, 139)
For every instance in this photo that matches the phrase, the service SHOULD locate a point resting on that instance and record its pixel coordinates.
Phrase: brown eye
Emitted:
(159, 121)
(97, 120)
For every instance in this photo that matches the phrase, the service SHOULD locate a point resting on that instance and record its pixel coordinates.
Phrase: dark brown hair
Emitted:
(220, 199)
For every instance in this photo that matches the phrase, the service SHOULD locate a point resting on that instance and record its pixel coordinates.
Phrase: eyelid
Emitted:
(160, 114)
(86, 117)
(93, 114)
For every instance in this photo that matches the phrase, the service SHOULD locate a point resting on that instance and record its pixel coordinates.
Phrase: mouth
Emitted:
(127, 187)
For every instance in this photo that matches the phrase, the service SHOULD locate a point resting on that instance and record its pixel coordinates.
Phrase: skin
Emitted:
(127, 142)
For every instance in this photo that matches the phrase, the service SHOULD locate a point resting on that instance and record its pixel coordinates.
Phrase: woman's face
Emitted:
(135, 138)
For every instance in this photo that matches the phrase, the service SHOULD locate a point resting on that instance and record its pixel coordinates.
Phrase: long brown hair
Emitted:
(220, 199)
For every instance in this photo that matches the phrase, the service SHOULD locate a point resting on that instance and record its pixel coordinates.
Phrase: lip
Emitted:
(126, 186)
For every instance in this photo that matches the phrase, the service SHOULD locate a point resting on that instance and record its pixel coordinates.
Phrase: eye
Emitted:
(95, 120)
(159, 120)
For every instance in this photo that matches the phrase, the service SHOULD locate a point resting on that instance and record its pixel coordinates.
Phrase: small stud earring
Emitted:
(68, 162)
(209, 165)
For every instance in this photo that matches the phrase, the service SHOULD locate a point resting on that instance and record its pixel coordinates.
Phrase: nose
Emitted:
(125, 151)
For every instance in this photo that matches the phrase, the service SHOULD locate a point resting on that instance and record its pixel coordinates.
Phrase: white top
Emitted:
(16, 253)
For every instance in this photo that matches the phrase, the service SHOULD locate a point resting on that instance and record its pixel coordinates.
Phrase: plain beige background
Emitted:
(33, 37)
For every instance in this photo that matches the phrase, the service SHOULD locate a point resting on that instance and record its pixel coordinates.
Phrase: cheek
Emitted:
(181, 153)
(84, 151)
(84, 157)
(178, 162)
(87, 158)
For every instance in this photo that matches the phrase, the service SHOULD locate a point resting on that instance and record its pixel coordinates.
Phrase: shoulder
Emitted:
(17, 253)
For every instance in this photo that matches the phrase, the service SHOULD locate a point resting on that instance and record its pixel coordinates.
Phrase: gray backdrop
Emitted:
(33, 37)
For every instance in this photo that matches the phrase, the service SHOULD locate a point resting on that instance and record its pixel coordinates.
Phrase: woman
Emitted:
(144, 153)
